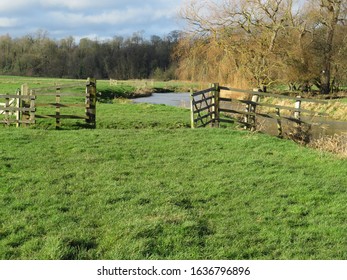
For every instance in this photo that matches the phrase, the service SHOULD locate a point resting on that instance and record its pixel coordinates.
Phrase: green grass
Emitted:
(144, 186)
(131, 88)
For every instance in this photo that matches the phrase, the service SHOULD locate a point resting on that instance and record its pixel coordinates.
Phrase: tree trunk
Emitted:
(325, 81)
(333, 8)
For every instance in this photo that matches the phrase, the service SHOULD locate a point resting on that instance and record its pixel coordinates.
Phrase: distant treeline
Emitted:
(133, 57)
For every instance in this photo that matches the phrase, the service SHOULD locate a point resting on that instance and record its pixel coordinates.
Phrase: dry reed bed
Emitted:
(336, 144)
(335, 110)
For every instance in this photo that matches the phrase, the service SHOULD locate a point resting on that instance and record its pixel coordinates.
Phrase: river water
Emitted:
(268, 125)
(171, 99)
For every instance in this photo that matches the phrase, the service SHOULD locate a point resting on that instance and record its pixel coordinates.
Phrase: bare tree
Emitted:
(248, 31)
(331, 13)
(267, 41)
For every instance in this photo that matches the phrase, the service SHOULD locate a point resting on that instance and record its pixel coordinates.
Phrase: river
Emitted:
(171, 99)
(268, 125)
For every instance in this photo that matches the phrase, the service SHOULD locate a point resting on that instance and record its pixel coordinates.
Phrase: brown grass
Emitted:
(336, 144)
(335, 110)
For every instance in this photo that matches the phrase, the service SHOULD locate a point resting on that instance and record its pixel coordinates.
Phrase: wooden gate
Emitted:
(204, 107)
(60, 102)
(210, 106)
(13, 108)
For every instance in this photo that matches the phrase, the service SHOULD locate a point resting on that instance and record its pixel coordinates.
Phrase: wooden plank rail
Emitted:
(60, 105)
(196, 102)
(40, 89)
(25, 105)
(203, 117)
(204, 108)
(61, 94)
(17, 96)
(14, 109)
(265, 94)
(61, 117)
(17, 121)
(208, 107)
(273, 106)
(203, 91)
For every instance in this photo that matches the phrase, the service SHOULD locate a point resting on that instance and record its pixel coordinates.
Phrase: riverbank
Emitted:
(111, 89)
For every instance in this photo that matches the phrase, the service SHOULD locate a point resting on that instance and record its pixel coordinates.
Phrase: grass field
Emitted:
(9, 85)
(144, 186)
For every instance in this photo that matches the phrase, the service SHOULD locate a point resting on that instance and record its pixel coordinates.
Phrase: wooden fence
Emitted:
(26, 106)
(208, 107)
(13, 108)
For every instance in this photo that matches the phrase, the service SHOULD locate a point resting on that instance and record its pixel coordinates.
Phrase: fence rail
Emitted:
(204, 107)
(25, 104)
(209, 108)
(13, 109)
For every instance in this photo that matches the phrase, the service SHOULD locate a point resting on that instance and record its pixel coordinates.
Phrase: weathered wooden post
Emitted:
(253, 107)
(91, 102)
(25, 92)
(192, 122)
(279, 123)
(18, 108)
(32, 107)
(249, 118)
(246, 116)
(215, 107)
(297, 114)
(57, 108)
(7, 116)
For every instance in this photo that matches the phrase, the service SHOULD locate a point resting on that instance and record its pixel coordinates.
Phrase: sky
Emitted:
(95, 19)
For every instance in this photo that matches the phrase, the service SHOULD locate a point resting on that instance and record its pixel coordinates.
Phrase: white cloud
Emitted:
(128, 16)
(14, 5)
(70, 4)
(8, 22)
(80, 17)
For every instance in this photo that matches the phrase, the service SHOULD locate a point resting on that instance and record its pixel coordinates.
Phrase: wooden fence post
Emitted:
(91, 102)
(24, 115)
(32, 106)
(7, 115)
(297, 114)
(279, 123)
(57, 109)
(253, 107)
(250, 108)
(18, 107)
(246, 116)
(192, 122)
(215, 108)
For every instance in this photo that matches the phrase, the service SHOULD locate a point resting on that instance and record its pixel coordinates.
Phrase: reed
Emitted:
(336, 144)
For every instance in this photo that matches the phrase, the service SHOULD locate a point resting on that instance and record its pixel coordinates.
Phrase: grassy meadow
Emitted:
(145, 186)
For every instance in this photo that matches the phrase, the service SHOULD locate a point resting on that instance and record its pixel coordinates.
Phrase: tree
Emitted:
(329, 17)
(267, 41)
(134, 57)
(7, 55)
(248, 31)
